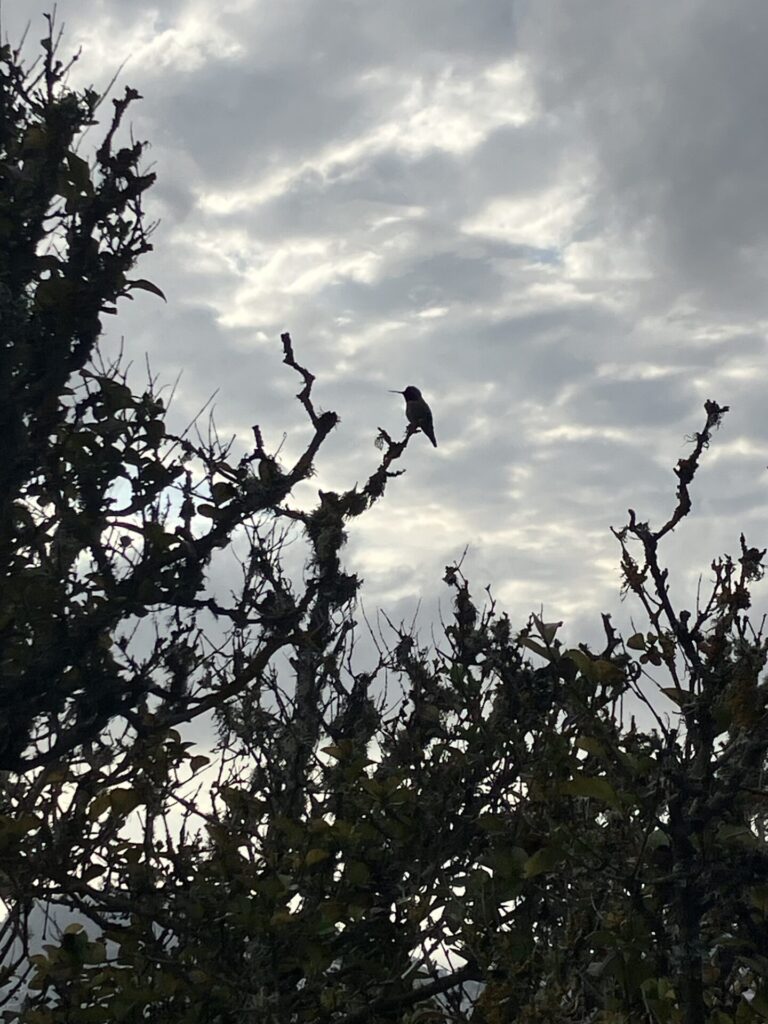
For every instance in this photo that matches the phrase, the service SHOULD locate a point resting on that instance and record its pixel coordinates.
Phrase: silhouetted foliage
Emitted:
(493, 827)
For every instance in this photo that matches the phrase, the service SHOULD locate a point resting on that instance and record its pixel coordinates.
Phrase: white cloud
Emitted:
(546, 220)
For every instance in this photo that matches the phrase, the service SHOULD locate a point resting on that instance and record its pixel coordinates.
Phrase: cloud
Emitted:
(667, 99)
(551, 218)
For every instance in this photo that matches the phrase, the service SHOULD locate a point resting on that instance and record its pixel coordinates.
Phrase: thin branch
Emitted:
(386, 1004)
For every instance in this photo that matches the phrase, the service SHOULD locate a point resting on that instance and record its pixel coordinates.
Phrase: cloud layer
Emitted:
(552, 218)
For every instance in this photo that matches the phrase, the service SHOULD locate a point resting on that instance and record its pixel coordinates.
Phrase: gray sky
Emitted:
(551, 216)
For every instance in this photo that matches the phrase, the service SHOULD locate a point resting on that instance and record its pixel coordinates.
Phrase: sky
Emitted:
(551, 216)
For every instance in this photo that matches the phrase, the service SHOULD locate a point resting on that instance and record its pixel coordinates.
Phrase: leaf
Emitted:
(582, 662)
(67, 190)
(493, 823)
(547, 630)
(592, 786)
(125, 800)
(116, 395)
(282, 917)
(658, 839)
(637, 642)
(35, 139)
(759, 896)
(98, 806)
(536, 648)
(507, 863)
(96, 953)
(544, 860)
(316, 856)
(48, 262)
(594, 669)
(155, 432)
(53, 292)
(155, 535)
(591, 745)
(335, 750)
(79, 173)
(199, 761)
(516, 945)
(222, 491)
(146, 286)
(652, 656)
(740, 834)
(680, 697)
(357, 873)
(607, 672)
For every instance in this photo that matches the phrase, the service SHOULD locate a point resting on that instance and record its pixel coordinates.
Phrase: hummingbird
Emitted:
(417, 412)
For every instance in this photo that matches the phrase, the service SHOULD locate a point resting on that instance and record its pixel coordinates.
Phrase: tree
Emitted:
(484, 828)
(109, 522)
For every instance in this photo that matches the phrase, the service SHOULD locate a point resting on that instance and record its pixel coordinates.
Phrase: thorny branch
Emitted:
(657, 602)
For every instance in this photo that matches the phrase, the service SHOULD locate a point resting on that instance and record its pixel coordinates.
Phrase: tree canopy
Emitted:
(493, 827)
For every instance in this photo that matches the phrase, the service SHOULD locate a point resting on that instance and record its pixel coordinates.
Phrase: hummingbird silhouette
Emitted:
(417, 412)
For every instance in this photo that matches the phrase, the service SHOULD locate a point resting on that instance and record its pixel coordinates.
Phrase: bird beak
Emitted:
(396, 392)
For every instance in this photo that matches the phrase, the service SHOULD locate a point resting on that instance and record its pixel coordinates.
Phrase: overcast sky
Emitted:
(551, 216)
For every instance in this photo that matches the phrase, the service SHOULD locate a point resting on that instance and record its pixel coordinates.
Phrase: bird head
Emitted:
(411, 394)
